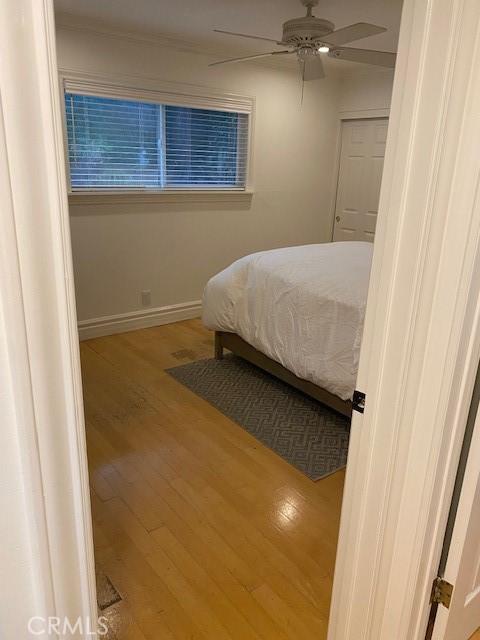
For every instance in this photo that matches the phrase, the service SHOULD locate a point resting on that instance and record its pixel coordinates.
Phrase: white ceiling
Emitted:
(193, 20)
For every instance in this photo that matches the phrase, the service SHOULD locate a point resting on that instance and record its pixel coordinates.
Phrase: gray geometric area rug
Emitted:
(305, 433)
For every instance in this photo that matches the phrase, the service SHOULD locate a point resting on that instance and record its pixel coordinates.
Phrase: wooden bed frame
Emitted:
(239, 347)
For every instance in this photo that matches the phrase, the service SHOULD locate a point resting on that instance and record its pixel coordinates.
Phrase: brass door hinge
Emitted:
(441, 592)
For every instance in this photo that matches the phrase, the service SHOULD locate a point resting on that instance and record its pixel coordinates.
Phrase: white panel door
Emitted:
(462, 570)
(360, 178)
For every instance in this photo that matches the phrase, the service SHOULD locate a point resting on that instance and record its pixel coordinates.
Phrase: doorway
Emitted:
(376, 484)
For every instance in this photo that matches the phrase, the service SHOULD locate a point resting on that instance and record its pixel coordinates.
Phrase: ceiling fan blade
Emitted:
(244, 35)
(244, 58)
(312, 68)
(353, 32)
(366, 56)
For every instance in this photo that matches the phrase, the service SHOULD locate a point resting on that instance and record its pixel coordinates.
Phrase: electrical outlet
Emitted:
(146, 297)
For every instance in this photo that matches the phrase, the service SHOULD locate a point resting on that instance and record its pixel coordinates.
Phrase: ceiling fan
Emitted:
(308, 37)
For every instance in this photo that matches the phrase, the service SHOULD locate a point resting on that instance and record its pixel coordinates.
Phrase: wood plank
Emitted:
(203, 531)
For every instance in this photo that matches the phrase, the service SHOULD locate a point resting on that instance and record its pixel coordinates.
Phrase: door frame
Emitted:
(367, 114)
(457, 531)
(421, 342)
(38, 325)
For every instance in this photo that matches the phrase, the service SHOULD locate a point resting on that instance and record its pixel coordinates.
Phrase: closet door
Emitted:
(360, 178)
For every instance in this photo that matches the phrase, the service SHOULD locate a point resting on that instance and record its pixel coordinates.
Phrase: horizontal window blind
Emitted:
(128, 144)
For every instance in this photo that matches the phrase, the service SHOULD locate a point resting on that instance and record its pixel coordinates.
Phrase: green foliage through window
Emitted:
(115, 143)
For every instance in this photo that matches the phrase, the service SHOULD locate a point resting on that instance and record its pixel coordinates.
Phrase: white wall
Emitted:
(120, 250)
(173, 250)
(366, 91)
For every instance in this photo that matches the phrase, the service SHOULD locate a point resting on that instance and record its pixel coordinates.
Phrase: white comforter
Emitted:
(302, 306)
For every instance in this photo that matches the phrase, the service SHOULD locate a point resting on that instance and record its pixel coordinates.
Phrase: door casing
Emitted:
(421, 340)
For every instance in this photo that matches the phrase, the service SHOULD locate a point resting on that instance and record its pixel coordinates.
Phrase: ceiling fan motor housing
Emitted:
(307, 30)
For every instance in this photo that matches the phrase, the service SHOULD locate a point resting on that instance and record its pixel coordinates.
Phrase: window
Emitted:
(116, 143)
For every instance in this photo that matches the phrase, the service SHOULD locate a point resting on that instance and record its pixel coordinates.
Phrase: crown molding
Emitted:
(70, 22)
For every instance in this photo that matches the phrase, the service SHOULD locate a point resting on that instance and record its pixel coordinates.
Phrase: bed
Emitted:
(296, 312)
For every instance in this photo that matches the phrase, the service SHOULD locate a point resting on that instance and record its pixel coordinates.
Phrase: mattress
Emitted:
(304, 307)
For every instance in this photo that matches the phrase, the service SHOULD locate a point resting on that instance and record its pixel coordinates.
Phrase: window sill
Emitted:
(160, 197)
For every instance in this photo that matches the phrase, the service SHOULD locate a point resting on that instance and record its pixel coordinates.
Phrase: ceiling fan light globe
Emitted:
(323, 48)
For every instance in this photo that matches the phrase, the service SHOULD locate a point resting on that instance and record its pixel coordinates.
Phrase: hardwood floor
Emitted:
(204, 532)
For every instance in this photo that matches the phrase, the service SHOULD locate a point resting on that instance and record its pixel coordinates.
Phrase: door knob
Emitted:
(337, 218)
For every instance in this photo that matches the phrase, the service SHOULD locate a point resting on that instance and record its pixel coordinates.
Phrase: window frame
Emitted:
(157, 92)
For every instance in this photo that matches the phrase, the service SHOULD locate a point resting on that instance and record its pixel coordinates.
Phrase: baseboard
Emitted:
(122, 322)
